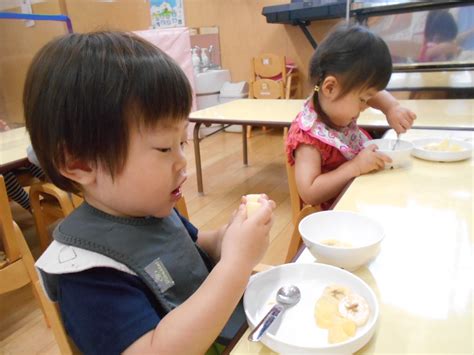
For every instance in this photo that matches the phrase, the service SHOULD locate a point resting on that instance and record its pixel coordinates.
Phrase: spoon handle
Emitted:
(265, 323)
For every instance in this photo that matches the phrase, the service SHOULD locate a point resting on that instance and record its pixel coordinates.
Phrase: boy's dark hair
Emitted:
(355, 56)
(440, 23)
(83, 92)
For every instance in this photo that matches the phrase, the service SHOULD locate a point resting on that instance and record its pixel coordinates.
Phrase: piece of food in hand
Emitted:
(252, 207)
(252, 203)
(252, 197)
(336, 243)
(355, 308)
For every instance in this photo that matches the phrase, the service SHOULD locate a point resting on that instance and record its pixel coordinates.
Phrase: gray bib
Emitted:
(159, 250)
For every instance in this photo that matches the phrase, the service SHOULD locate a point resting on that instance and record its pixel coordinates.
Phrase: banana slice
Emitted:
(252, 197)
(355, 308)
(252, 203)
(336, 292)
(252, 207)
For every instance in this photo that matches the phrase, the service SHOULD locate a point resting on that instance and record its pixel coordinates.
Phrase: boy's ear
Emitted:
(330, 87)
(78, 171)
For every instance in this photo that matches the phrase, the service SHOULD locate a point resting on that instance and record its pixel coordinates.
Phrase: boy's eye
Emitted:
(163, 150)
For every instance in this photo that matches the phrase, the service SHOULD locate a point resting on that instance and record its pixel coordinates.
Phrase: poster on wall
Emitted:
(167, 13)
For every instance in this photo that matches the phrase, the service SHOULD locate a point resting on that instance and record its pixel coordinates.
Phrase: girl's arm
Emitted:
(398, 117)
(314, 187)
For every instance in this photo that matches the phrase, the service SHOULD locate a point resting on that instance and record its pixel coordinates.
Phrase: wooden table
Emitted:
(432, 80)
(423, 277)
(13, 144)
(432, 114)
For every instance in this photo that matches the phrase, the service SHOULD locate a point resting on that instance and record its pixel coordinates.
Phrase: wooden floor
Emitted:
(226, 179)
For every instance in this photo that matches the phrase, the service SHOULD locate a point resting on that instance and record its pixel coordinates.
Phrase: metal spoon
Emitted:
(286, 297)
(396, 143)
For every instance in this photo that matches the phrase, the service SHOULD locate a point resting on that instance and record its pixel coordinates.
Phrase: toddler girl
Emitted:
(349, 71)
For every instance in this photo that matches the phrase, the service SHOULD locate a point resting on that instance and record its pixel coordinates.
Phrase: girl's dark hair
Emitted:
(83, 92)
(355, 56)
(440, 23)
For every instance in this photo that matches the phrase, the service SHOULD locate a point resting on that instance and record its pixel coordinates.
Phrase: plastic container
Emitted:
(230, 92)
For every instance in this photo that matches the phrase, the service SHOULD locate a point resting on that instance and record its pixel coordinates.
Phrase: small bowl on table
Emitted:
(399, 151)
(341, 238)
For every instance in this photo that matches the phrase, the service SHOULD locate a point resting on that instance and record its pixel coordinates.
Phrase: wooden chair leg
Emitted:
(296, 241)
(40, 222)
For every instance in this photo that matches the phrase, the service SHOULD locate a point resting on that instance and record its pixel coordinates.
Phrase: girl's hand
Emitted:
(246, 239)
(369, 159)
(400, 118)
(3, 126)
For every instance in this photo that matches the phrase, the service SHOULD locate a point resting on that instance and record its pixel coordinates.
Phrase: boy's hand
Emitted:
(400, 118)
(369, 159)
(246, 238)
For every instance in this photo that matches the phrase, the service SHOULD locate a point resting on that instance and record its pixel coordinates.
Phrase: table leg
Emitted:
(197, 157)
(244, 144)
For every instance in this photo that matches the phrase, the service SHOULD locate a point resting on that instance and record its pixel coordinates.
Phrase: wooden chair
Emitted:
(271, 80)
(274, 67)
(19, 270)
(49, 204)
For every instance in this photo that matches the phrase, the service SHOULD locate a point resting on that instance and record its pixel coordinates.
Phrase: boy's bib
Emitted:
(158, 250)
(349, 140)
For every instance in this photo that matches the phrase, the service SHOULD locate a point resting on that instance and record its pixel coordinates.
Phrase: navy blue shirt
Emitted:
(105, 310)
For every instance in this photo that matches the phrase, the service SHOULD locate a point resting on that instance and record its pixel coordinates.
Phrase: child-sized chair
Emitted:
(18, 270)
(50, 203)
(271, 79)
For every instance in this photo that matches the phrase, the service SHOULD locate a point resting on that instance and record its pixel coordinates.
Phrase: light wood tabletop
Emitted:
(432, 114)
(423, 276)
(13, 144)
(442, 80)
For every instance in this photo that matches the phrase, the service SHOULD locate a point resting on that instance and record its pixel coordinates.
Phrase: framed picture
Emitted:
(167, 13)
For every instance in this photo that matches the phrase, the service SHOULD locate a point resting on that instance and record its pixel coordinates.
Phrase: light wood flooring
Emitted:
(226, 179)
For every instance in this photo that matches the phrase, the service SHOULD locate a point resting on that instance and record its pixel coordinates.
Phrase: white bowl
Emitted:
(420, 149)
(361, 232)
(400, 156)
(296, 331)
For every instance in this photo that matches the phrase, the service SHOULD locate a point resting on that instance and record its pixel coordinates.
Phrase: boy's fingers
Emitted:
(240, 214)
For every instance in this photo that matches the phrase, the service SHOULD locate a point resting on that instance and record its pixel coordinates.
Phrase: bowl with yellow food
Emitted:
(442, 149)
(399, 151)
(344, 239)
(337, 312)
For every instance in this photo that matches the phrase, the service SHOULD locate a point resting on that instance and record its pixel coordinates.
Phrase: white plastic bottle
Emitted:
(204, 58)
(196, 60)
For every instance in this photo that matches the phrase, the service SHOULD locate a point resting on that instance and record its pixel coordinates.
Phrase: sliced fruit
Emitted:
(252, 207)
(336, 292)
(336, 334)
(355, 308)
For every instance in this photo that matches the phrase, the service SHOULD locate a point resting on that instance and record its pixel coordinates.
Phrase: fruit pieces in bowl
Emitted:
(341, 312)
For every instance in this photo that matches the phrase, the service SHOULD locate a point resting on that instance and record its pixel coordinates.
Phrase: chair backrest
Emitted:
(269, 65)
(20, 271)
(266, 89)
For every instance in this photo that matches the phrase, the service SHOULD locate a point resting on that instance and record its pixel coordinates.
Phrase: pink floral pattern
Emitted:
(349, 141)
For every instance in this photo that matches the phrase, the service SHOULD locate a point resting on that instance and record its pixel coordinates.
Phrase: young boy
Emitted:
(107, 116)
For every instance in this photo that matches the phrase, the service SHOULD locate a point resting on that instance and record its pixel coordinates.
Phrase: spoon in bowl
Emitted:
(287, 296)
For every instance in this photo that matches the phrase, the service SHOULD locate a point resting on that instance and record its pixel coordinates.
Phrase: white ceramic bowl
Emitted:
(400, 156)
(362, 233)
(420, 149)
(297, 332)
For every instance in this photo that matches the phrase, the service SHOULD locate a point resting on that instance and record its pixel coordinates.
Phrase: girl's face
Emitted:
(342, 110)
